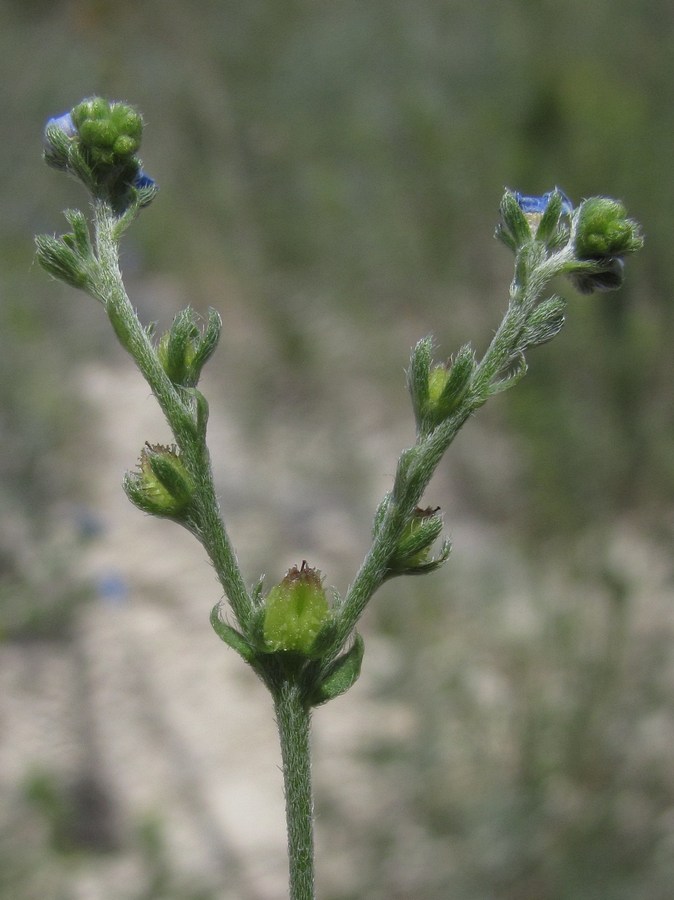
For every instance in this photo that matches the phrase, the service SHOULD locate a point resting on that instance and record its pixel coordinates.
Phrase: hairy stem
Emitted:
(417, 464)
(294, 725)
(177, 406)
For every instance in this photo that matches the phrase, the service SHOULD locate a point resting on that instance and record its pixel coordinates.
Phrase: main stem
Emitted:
(294, 725)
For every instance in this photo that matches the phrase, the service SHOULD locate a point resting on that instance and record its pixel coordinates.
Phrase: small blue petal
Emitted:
(64, 123)
(532, 204)
(143, 180)
(538, 205)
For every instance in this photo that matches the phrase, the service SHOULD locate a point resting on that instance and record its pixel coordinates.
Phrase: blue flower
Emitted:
(538, 205)
(56, 146)
(64, 123)
(143, 180)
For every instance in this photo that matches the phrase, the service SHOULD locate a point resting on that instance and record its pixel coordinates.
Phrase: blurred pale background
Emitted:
(330, 174)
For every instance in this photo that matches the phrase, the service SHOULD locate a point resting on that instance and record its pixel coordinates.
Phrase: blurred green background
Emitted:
(330, 175)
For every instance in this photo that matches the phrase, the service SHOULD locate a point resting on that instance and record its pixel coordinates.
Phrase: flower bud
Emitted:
(109, 132)
(527, 217)
(448, 383)
(538, 205)
(296, 610)
(59, 133)
(413, 553)
(437, 390)
(161, 486)
(604, 235)
(97, 142)
(185, 349)
(604, 231)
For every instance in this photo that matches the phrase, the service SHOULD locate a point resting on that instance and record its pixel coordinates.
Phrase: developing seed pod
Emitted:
(161, 485)
(296, 610)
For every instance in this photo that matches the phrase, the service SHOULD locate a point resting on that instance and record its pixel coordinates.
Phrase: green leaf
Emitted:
(341, 674)
(231, 636)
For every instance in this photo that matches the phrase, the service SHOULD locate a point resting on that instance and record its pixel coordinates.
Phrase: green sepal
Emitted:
(422, 531)
(527, 264)
(209, 341)
(256, 592)
(550, 230)
(412, 552)
(431, 564)
(340, 675)
(518, 369)
(135, 199)
(61, 258)
(171, 473)
(176, 347)
(62, 151)
(231, 636)
(80, 237)
(515, 230)
(202, 412)
(325, 638)
(456, 384)
(183, 350)
(544, 323)
(380, 514)
(161, 486)
(436, 391)
(418, 375)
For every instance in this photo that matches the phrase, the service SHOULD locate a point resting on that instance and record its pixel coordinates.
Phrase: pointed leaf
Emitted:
(341, 675)
(231, 636)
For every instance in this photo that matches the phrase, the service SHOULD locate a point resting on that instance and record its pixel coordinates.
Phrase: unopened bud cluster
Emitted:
(161, 485)
(97, 142)
(594, 238)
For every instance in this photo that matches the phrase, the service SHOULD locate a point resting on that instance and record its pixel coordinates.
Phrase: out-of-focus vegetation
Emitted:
(330, 174)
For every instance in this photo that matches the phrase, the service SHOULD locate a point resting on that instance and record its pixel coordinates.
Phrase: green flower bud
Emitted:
(296, 610)
(525, 217)
(97, 142)
(110, 133)
(604, 235)
(603, 230)
(161, 486)
(438, 390)
(184, 349)
(413, 553)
